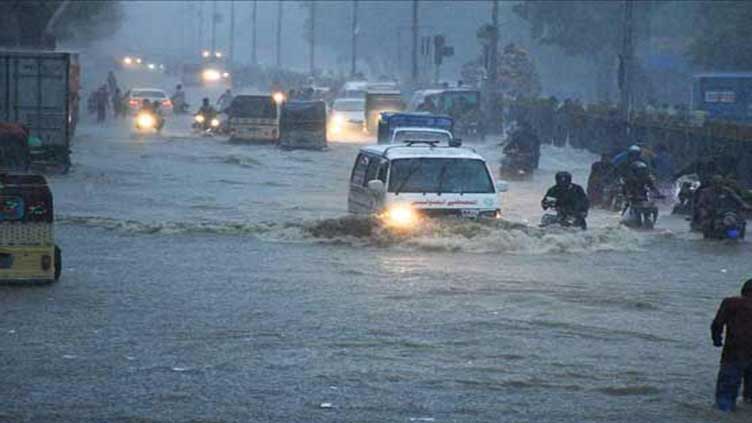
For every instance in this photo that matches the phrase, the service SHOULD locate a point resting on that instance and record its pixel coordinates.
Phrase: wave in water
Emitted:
(434, 235)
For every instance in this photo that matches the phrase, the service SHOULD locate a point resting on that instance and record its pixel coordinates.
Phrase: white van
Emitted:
(404, 182)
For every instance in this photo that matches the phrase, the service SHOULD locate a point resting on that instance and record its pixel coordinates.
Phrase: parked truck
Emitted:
(40, 90)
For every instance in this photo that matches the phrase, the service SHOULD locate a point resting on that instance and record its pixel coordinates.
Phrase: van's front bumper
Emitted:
(460, 213)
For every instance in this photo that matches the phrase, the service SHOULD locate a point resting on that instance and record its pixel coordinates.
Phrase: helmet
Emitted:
(639, 166)
(563, 179)
(205, 100)
(634, 148)
(634, 152)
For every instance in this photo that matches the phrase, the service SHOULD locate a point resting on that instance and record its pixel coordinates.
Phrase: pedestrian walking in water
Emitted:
(117, 103)
(102, 102)
(735, 316)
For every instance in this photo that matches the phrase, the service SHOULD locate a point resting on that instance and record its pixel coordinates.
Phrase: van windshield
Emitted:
(440, 175)
(254, 107)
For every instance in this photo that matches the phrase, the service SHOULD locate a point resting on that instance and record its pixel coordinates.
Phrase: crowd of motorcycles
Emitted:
(206, 121)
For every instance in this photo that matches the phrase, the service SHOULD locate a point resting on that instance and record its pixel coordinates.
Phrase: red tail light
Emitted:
(133, 102)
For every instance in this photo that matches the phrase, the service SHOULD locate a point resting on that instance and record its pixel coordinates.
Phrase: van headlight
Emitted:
(215, 122)
(401, 216)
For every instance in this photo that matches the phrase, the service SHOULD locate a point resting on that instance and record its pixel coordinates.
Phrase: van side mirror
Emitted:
(376, 186)
(502, 186)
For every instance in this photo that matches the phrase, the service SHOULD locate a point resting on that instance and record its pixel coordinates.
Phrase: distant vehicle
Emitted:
(378, 102)
(462, 104)
(28, 252)
(390, 122)
(302, 124)
(347, 116)
(723, 96)
(136, 96)
(253, 118)
(404, 183)
(354, 89)
(41, 89)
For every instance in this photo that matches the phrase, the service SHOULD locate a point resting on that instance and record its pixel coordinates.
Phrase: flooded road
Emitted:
(210, 282)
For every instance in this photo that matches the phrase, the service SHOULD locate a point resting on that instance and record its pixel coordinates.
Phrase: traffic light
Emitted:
(440, 49)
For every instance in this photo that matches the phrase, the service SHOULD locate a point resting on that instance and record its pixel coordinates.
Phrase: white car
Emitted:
(403, 183)
(347, 115)
(135, 98)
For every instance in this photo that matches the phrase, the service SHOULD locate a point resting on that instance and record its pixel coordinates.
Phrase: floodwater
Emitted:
(210, 282)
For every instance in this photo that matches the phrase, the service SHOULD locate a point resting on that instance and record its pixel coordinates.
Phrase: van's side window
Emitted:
(383, 168)
(373, 170)
(359, 170)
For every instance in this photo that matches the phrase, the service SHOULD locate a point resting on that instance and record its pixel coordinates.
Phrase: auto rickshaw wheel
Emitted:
(58, 262)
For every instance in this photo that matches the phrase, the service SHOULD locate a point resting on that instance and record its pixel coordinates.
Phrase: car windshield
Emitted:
(440, 175)
(148, 93)
(349, 105)
(405, 136)
(386, 101)
(254, 107)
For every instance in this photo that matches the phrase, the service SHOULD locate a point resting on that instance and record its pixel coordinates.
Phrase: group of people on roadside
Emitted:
(107, 97)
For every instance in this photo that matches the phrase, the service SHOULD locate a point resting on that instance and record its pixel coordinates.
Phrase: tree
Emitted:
(721, 37)
(586, 28)
(24, 21)
(517, 75)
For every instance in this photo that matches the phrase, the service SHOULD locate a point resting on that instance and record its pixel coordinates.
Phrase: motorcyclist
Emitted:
(208, 112)
(570, 198)
(714, 201)
(638, 183)
(152, 108)
(623, 162)
(178, 99)
(525, 143)
(735, 315)
(601, 176)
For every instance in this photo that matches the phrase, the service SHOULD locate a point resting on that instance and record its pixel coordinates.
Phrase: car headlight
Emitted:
(215, 122)
(338, 119)
(145, 120)
(400, 216)
(200, 118)
(211, 75)
(278, 97)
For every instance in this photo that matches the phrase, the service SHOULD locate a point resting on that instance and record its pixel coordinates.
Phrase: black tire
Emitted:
(58, 263)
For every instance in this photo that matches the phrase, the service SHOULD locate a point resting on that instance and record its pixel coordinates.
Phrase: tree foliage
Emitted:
(722, 34)
(25, 20)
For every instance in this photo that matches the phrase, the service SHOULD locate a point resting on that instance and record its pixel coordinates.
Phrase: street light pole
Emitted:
(414, 73)
(312, 58)
(231, 52)
(253, 33)
(625, 77)
(492, 73)
(355, 30)
(214, 26)
(279, 33)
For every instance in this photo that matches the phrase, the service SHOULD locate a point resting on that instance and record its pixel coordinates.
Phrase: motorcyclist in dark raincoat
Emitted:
(735, 316)
(601, 176)
(571, 199)
(525, 143)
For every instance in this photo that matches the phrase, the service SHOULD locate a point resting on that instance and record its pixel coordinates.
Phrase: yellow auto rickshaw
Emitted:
(27, 246)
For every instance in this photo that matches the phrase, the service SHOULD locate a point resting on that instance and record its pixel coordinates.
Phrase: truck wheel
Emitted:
(58, 262)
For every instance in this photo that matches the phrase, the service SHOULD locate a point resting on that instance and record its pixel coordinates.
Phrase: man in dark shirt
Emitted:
(570, 199)
(601, 175)
(735, 315)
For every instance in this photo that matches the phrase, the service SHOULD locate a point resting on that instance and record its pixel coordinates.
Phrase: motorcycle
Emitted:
(640, 213)
(146, 121)
(206, 124)
(727, 225)
(614, 196)
(565, 220)
(516, 166)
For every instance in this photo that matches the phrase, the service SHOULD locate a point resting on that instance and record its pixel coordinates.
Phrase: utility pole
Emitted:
(231, 52)
(201, 25)
(312, 58)
(355, 30)
(254, 59)
(214, 26)
(414, 74)
(492, 72)
(279, 33)
(625, 62)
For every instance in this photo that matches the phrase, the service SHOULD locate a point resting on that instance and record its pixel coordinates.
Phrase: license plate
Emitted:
(470, 212)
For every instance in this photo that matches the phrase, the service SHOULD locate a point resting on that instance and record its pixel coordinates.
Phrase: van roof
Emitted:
(404, 151)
